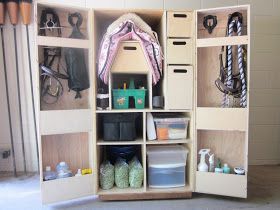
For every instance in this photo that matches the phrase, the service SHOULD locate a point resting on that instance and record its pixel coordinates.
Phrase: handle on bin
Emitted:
(179, 43)
(180, 15)
(180, 70)
(129, 48)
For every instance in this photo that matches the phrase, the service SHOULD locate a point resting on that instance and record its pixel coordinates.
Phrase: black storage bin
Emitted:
(119, 127)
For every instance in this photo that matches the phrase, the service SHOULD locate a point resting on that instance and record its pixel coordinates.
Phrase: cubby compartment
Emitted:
(55, 93)
(208, 70)
(110, 153)
(73, 149)
(222, 17)
(180, 24)
(49, 16)
(171, 165)
(228, 146)
(168, 128)
(119, 128)
(119, 68)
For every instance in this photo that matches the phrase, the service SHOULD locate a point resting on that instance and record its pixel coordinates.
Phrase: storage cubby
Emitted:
(228, 146)
(187, 149)
(166, 123)
(208, 70)
(222, 16)
(66, 100)
(105, 153)
(70, 148)
(130, 50)
(119, 127)
(62, 14)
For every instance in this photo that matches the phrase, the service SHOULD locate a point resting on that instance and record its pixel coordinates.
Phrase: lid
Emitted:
(48, 168)
(226, 165)
(172, 119)
(167, 156)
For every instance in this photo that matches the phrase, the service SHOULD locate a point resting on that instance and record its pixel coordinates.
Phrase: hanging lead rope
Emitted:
(229, 79)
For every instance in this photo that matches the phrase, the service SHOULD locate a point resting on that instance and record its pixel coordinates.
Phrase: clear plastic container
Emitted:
(167, 166)
(171, 127)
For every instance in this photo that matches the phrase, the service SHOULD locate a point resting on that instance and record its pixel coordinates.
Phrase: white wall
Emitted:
(265, 76)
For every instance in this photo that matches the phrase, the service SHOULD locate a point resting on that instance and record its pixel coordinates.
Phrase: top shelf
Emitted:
(222, 41)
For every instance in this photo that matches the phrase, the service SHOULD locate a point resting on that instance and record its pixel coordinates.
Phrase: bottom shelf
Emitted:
(67, 188)
(142, 194)
(116, 190)
(221, 184)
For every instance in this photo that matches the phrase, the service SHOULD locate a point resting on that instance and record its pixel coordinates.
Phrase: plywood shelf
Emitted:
(222, 41)
(175, 141)
(116, 190)
(67, 188)
(186, 188)
(138, 141)
(209, 118)
(62, 42)
(221, 184)
(65, 121)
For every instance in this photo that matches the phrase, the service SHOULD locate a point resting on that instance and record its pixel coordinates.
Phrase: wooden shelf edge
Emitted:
(62, 42)
(222, 41)
(167, 193)
(179, 141)
(135, 142)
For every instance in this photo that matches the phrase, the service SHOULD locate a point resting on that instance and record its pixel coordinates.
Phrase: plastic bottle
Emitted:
(212, 163)
(62, 170)
(79, 172)
(49, 174)
(226, 169)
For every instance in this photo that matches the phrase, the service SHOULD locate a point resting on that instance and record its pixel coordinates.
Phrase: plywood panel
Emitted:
(229, 146)
(71, 148)
(221, 118)
(66, 189)
(221, 184)
(65, 121)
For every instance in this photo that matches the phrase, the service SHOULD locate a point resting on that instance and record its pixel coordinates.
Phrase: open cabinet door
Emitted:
(65, 126)
(223, 130)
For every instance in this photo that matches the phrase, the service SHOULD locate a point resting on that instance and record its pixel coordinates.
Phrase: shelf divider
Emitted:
(62, 42)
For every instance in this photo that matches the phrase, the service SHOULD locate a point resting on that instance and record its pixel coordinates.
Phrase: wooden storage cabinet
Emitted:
(70, 130)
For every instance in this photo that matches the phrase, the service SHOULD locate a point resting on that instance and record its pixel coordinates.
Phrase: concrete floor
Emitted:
(264, 193)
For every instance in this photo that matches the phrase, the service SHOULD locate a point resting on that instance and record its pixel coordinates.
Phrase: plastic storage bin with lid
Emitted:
(171, 127)
(167, 166)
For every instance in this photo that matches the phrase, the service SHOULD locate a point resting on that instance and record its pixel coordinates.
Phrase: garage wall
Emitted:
(264, 145)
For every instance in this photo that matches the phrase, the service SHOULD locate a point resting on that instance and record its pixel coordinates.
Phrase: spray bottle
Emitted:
(202, 166)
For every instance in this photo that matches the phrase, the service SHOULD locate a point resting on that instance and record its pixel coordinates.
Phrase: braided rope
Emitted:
(228, 81)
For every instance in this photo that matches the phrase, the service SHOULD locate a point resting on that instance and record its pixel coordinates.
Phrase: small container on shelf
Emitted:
(121, 98)
(167, 166)
(171, 127)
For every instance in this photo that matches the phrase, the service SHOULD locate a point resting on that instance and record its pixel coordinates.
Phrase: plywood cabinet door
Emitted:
(180, 87)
